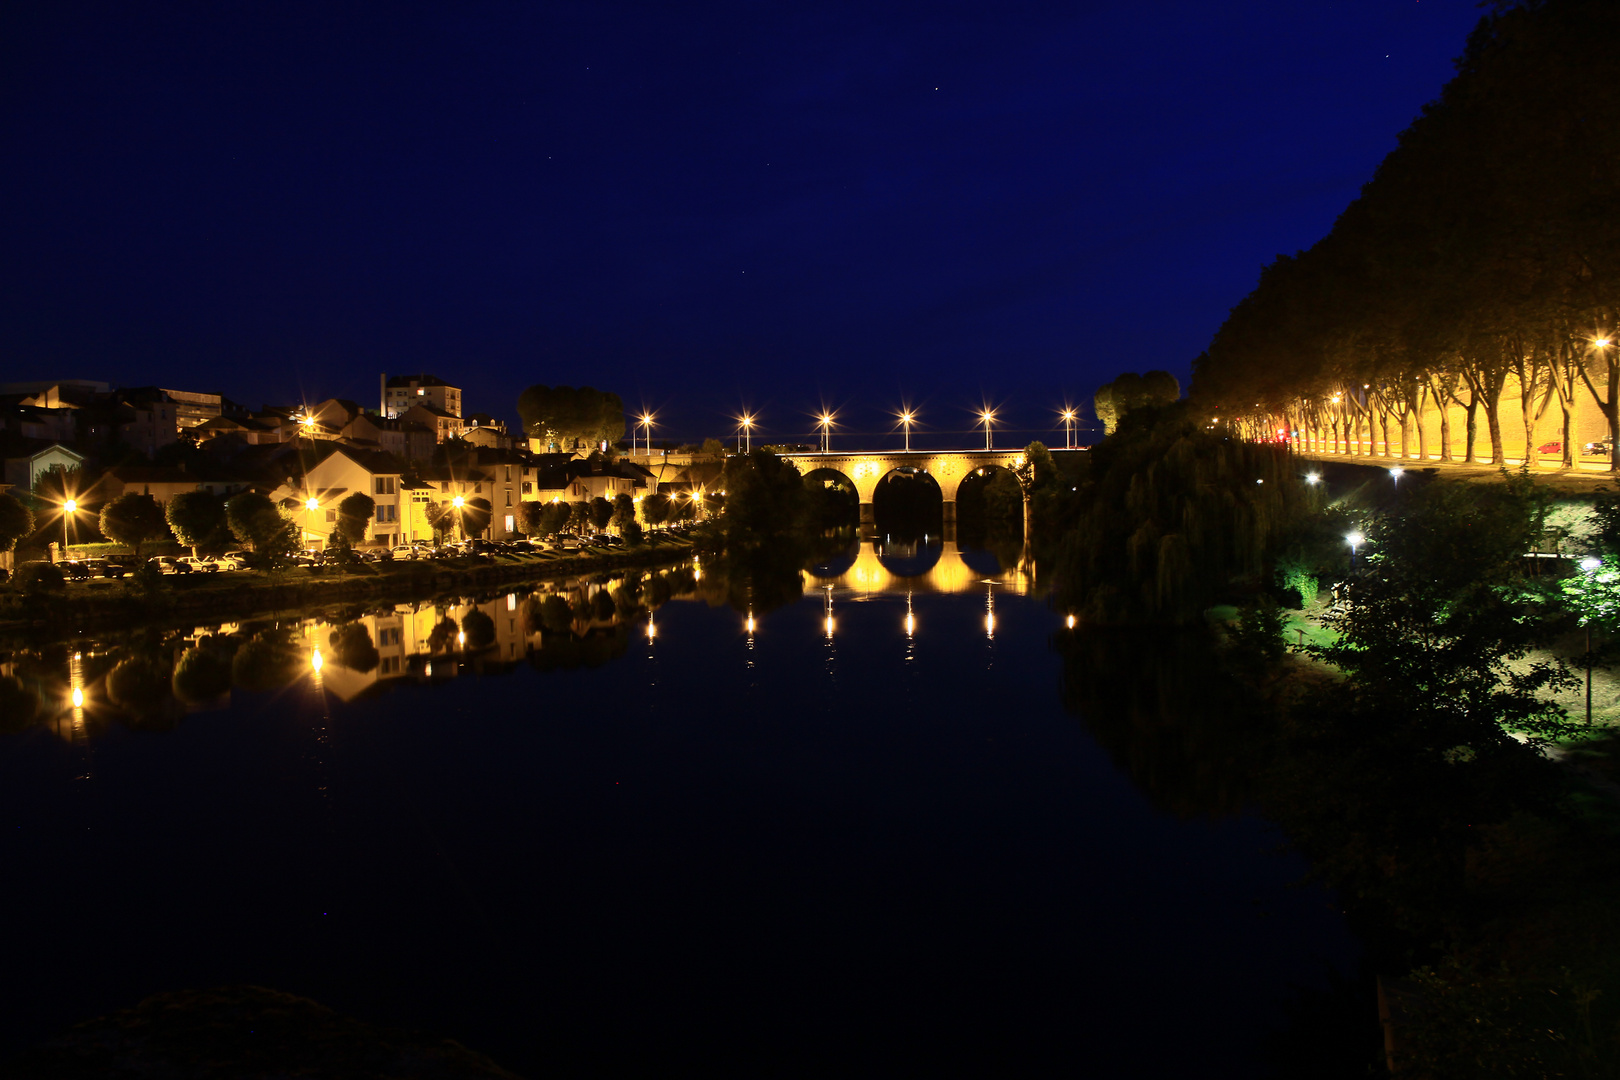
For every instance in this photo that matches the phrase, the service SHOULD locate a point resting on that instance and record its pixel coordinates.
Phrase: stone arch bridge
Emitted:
(948, 468)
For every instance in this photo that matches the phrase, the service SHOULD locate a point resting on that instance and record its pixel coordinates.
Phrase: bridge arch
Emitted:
(948, 468)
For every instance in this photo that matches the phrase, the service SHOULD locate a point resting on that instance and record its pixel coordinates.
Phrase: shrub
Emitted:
(40, 577)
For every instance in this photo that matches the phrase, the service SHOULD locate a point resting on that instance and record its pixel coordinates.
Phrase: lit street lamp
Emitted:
(825, 423)
(1396, 473)
(1355, 540)
(461, 531)
(1589, 565)
(906, 417)
(986, 417)
(1068, 429)
(69, 508)
(311, 505)
(646, 423)
(747, 430)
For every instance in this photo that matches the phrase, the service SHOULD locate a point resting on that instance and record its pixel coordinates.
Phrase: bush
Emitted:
(1297, 581)
(40, 577)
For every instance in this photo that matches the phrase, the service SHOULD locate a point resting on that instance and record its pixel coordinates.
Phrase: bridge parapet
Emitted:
(948, 467)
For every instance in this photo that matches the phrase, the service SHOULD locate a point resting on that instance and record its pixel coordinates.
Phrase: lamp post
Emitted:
(826, 423)
(1589, 565)
(1355, 540)
(746, 423)
(311, 505)
(985, 418)
(906, 417)
(69, 508)
(461, 531)
(1068, 429)
(646, 423)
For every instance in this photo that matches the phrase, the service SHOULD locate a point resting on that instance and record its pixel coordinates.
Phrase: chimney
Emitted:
(382, 392)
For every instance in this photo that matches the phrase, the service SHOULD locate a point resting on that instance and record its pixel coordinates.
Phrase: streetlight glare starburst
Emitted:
(1313, 478)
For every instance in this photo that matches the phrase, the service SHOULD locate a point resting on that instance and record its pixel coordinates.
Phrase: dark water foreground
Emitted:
(875, 845)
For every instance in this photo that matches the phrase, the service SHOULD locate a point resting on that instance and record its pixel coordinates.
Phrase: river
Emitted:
(857, 834)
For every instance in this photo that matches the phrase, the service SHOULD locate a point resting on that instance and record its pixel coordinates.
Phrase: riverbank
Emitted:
(101, 605)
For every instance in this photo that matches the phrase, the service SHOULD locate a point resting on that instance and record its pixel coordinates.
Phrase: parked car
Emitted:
(1601, 448)
(232, 560)
(570, 543)
(202, 565)
(378, 555)
(407, 551)
(168, 564)
(79, 569)
(1550, 448)
(115, 568)
(480, 546)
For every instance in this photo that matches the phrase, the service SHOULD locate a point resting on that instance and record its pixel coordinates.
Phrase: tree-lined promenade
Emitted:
(1475, 281)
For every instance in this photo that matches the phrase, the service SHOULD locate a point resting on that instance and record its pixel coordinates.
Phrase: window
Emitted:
(509, 474)
(528, 487)
(331, 515)
(508, 496)
(420, 392)
(385, 485)
(510, 524)
(445, 486)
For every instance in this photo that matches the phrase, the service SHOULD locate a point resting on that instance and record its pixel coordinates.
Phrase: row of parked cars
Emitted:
(120, 567)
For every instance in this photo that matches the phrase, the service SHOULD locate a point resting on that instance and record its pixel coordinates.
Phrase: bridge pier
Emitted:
(949, 508)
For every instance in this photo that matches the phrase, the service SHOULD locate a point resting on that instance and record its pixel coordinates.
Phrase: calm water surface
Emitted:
(856, 835)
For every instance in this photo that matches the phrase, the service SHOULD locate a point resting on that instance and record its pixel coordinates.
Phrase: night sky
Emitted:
(699, 206)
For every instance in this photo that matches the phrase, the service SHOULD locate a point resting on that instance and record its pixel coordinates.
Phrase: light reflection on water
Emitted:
(152, 679)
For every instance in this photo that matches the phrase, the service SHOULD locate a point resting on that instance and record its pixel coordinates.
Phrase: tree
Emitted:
(16, 521)
(562, 417)
(555, 518)
(531, 517)
(475, 516)
(441, 518)
(601, 513)
(579, 516)
(655, 508)
(1440, 721)
(195, 518)
(766, 501)
(1131, 391)
(713, 448)
(624, 511)
(256, 522)
(134, 520)
(354, 515)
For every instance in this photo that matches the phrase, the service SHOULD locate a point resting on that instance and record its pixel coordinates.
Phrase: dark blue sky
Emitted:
(699, 206)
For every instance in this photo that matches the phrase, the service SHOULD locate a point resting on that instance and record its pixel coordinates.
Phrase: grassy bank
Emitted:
(103, 604)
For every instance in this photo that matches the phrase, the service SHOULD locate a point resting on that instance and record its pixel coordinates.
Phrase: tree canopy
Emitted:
(1132, 391)
(16, 521)
(563, 417)
(134, 520)
(1484, 251)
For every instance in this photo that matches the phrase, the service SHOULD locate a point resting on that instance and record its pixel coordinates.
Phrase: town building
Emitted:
(401, 392)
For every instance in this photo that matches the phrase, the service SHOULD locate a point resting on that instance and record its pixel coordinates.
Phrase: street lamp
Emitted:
(747, 422)
(311, 505)
(1396, 473)
(461, 529)
(646, 423)
(1589, 565)
(1068, 429)
(1313, 478)
(906, 417)
(69, 508)
(1355, 540)
(826, 423)
(985, 418)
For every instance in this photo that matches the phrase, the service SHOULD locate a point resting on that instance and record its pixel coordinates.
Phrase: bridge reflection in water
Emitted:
(932, 567)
